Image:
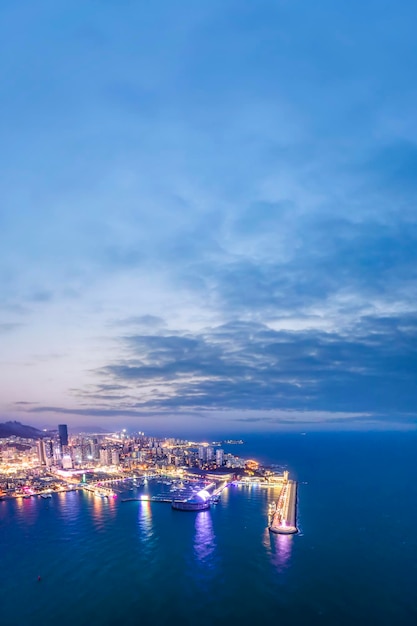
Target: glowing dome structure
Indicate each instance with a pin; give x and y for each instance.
(198, 502)
(203, 494)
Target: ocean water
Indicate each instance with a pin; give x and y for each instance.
(106, 562)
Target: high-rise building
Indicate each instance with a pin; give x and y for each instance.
(63, 435)
(48, 448)
(66, 462)
(41, 451)
(57, 455)
(205, 454)
(96, 450)
(219, 457)
(105, 456)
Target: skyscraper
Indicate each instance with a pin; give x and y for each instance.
(63, 435)
(41, 451)
(219, 457)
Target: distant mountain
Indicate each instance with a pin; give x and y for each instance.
(20, 430)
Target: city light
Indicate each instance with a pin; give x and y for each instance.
(101, 464)
(203, 494)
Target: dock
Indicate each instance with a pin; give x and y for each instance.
(284, 520)
(148, 499)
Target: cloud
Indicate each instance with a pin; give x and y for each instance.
(249, 366)
(222, 222)
(140, 321)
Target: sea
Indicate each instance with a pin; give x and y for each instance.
(111, 563)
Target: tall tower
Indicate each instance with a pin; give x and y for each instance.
(63, 435)
(40, 444)
(219, 457)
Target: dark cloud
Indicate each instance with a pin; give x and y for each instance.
(249, 366)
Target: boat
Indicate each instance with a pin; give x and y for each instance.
(46, 495)
(190, 505)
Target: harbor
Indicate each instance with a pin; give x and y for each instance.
(282, 512)
(193, 494)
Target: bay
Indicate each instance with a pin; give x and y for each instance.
(107, 562)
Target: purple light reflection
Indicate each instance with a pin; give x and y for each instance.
(279, 548)
(145, 519)
(204, 540)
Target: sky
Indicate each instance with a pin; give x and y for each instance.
(208, 214)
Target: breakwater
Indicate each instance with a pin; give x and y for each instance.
(284, 516)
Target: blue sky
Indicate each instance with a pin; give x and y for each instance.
(208, 214)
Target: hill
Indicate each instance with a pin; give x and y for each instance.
(8, 429)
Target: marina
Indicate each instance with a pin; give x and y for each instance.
(282, 513)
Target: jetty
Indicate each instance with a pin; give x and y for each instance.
(143, 498)
(283, 515)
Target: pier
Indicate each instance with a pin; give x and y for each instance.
(148, 499)
(99, 490)
(284, 520)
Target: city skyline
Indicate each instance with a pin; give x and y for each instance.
(208, 218)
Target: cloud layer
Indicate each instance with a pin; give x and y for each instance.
(209, 212)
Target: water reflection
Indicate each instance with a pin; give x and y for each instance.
(204, 539)
(225, 495)
(102, 505)
(279, 548)
(145, 519)
(97, 509)
(28, 508)
(69, 506)
(19, 503)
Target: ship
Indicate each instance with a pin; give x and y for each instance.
(198, 502)
(190, 505)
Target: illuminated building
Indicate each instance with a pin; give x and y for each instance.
(219, 457)
(115, 457)
(40, 444)
(199, 502)
(66, 462)
(205, 454)
(105, 456)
